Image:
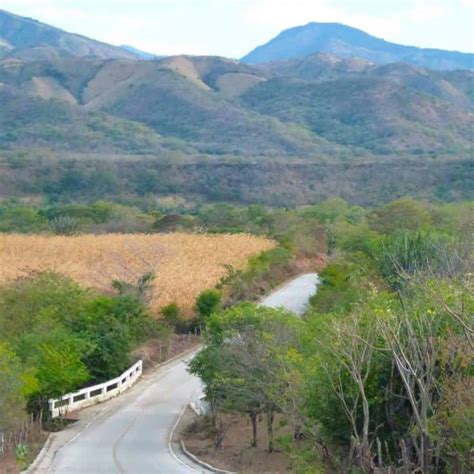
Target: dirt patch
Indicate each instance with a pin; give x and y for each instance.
(8, 462)
(157, 351)
(314, 263)
(235, 453)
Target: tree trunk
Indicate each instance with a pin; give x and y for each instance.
(253, 418)
(270, 416)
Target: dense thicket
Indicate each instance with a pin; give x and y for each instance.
(69, 178)
(55, 336)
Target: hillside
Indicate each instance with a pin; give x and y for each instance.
(321, 107)
(379, 115)
(28, 38)
(225, 124)
(181, 98)
(453, 86)
(345, 41)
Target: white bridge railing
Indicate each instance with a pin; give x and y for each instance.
(97, 393)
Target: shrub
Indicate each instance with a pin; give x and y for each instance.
(172, 315)
(64, 225)
(208, 302)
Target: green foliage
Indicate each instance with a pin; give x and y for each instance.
(399, 215)
(171, 313)
(246, 362)
(21, 454)
(402, 254)
(112, 327)
(25, 303)
(207, 303)
(20, 219)
(56, 356)
(15, 384)
(263, 272)
(62, 336)
(333, 210)
(173, 316)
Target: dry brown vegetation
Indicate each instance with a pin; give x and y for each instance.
(184, 264)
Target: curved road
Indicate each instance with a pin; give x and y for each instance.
(294, 295)
(130, 434)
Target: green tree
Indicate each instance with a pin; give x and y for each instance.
(111, 327)
(21, 219)
(16, 384)
(46, 295)
(55, 356)
(245, 361)
(402, 214)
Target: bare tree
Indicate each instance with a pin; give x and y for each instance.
(411, 340)
(130, 272)
(351, 350)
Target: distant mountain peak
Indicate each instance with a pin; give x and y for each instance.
(349, 42)
(29, 38)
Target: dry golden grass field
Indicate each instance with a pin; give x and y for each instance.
(184, 264)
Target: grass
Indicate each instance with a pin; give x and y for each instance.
(185, 264)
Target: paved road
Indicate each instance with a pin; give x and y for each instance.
(294, 295)
(130, 434)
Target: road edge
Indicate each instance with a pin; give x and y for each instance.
(192, 457)
(43, 453)
(40, 456)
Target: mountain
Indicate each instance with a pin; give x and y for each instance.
(321, 107)
(344, 41)
(455, 87)
(181, 98)
(139, 53)
(380, 116)
(32, 40)
(289, 131)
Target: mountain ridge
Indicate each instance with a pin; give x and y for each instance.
(23, 35)
(346, 41)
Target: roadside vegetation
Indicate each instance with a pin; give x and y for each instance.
(378, 374)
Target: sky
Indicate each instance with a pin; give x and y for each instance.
(234, 27)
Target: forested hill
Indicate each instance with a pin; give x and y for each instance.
(319, 108)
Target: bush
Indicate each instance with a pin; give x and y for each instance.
(208, 302)
(172, 315)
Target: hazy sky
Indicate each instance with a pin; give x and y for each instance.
(234, 27)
